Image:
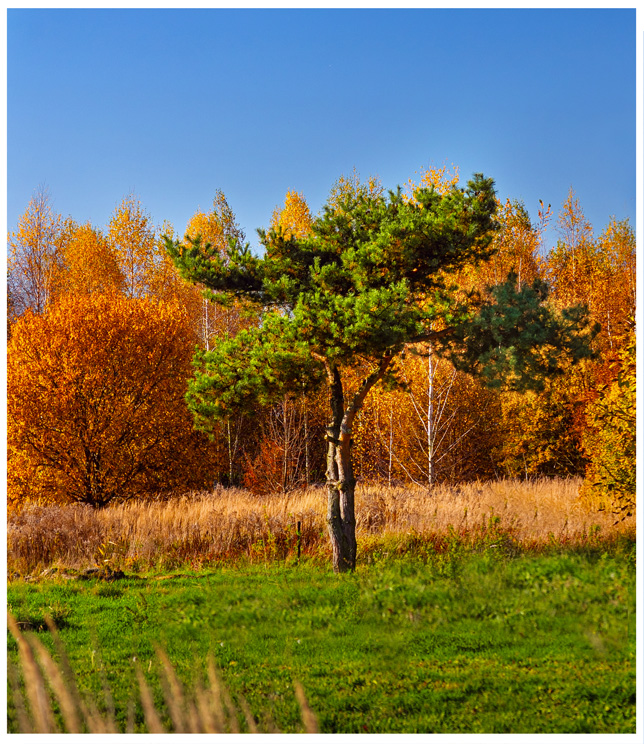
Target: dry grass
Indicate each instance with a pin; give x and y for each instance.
(230, 524)
(533, 510)
(208, 709)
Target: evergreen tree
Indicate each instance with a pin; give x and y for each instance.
(370, 278)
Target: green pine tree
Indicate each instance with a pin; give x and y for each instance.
(370, 279)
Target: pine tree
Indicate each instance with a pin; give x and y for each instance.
(369, 279)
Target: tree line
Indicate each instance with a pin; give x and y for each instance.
(457, 344)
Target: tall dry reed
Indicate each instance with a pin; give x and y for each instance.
(231, 523)
(47, 685)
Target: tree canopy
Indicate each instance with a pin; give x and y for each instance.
(370, 277)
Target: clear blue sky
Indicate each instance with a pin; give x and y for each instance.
(174, 104)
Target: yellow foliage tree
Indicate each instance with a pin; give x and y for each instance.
(542, 431)
(441, 426)
(518, 244)
(132, 237)
(294, 218)
(33, 256)
(95, 402)
(614, 301)
(571, 266)
(441, 179)
(217, 228)
(88, 263)
(546, 431)
(143, 262)
(165, 284)
(352, 184)
(610, 441)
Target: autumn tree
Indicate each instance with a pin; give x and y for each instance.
(33, 255)
(131, 235)
(615, 272)
(570, 263)
(545, 431)
(279, 466)
(598, 272)
(294, 218)
(440, 425)
(442, 179)
(611, 438)
(518, 245)
(216, 229)
(165, 284)
(95, 402)
(87, 264)
(369, 280)
(542, 430)
(143, 266)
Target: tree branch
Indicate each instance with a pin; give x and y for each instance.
(431, 335)
(361, 394)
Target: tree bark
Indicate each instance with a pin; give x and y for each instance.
(341, 483)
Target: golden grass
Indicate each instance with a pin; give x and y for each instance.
(209, 709)
(202, 528)
(533, 510)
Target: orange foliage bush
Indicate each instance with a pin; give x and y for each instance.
(95, 404)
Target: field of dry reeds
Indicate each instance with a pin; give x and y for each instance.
(201, 528)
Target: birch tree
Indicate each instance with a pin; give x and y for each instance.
(33, 255)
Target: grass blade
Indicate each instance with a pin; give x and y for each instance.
(34, 682)
(68, 706)
(173, 692)
(152, 720)
(308, 716)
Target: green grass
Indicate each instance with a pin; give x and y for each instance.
(461, 643)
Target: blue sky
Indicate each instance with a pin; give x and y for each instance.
(173, 105)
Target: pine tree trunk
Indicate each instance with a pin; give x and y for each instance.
(341, 519)
(341, 484)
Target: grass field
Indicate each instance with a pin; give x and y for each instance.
(472, 613)
(472, 643)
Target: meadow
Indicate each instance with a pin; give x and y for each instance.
(499, 607)
(200, 529)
